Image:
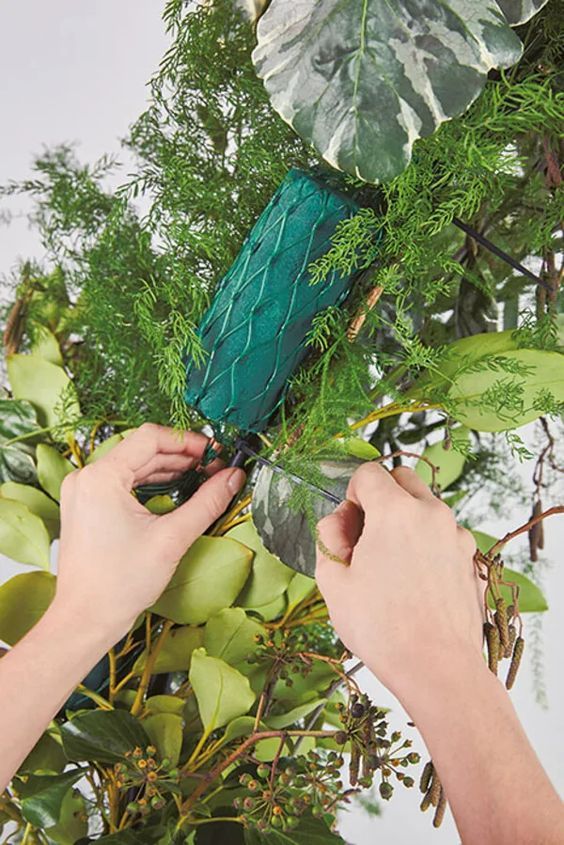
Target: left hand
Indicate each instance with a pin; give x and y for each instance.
(115, 557)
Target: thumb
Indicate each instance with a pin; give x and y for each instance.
(337, 535)
(190, 520)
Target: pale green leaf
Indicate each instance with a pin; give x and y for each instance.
(208, 578)
(23, 601)
(176, 651)
(269, 576)
(165, 704)
(299, 588)
(42, 384)
(361, 81)
(531, 598)
(221, 691)
(165, 732)
(107, 445)
(52, 469)
(37, 502)
(274, 610)
(73, 822)
(23, 535)
(230, 634)
(47, 346)
(160, 504)
(449, 463)
(359, 448)
(284, 720)
(545, 373)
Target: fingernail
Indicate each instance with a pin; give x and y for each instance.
(235, 479)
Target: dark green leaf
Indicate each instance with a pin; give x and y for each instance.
(102, 735)
(310, 831)
(47, 755)
(43, 796)
(220, 833)
(362, 81)
(73, 821)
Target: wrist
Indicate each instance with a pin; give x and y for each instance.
(91, 635)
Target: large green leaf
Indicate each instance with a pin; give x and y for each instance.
(46, 757)
(269, 576)
(208, 578)
(37, 502)
(176, 652)
(310, 831)
(165, 732)
(494, 399)
(42, 384)
(519, 11)
(17, 417)
(363, 79)
(73, 822)
(222, 692)
(230, 634)
(102, 735)
(52, 469)
(448, 462)
(43, 796)
(47, 346)
(23, 535)
(23, 601)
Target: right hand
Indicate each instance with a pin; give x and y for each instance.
(410, 595)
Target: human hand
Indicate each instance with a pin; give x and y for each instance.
(410, 596)
(115, 557)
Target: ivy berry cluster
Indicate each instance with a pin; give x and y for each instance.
(151, 777)
(278, 794)
(366, 729)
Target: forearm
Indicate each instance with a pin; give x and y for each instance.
(496, 787)
(37, 676)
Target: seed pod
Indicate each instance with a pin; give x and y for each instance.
(515, 661)
(426, 776)
(500, 619)
(440, 811)
(492, 642)
(426, 802)
(354, 764)
(435, 790)
(512, 635)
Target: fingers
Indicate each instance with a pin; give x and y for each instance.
(412, 483)
(370, 486)
(135, 457)
(185, 524)
(337, 535)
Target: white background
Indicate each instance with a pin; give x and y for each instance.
(76, 71)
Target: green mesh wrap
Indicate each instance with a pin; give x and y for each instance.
(254, 331)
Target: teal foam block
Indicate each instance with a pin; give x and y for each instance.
(255, 329)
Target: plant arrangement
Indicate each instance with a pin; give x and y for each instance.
(230, 712)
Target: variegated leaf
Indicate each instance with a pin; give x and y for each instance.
(363, 79)
(520, 11)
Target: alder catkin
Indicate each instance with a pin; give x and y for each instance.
(426, 802)
(515, 662)
(354, 764)
(512, 636)
(492, 642)
(500, 619)
(440, 811)
(426, 776)
(435, 790)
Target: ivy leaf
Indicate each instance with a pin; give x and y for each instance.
(73, 822)
(286, 533)
(230, 634)
(37, 502)
(269, 576)
(221, 691)
(46, 757)
(23, 535)
(513, 398)
(43, 796)
(165, 732)
(52, 469)
(449, 462)
(520, 11)
(23, 601)
(208, 578)
(102, 735)
(42, 384)
(310, 831)
(362, 81)
(176, 652)
(17, 417)
(283, 720)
